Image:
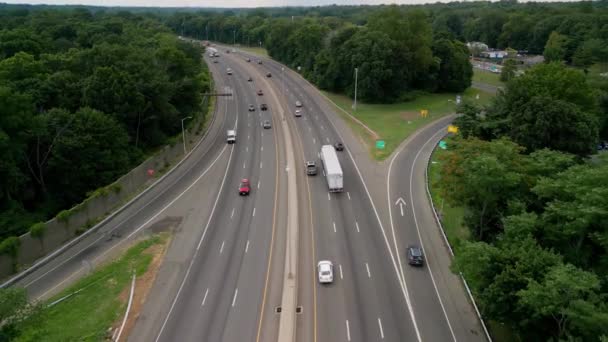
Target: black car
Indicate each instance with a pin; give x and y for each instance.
(339, 146)
(268, 74)
(250, 79)
(251, 108)
(311, 168)
(415, 256)
(263, 106)
(259, 61)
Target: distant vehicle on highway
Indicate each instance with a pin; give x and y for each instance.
(268, 74)
(251, 108)
(263, 106)
(231, 136)
(326, 272)
(298, 104)
(311, 168)
(260, 92)
(298, 113)
(227, 51)
(333, 170)
(267, 124)
(248, 60)
(215, 61)
(250, 79)
(415, 256)
(244, 187)
(229, 71)
(259, 61)
(339, 146)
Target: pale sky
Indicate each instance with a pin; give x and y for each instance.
(218, 3)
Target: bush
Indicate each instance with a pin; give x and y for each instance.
(38, 230)
(10, 246)
(63, 216)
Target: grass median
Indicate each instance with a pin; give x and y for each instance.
(393, 123)
(255, 50)
(98, 301)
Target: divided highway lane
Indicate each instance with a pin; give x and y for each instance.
(365, 303)
(412, 218)
(135, 218)
(221, 295)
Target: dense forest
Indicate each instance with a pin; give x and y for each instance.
(535, 193)
(83, 98)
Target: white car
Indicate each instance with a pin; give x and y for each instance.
(229, 71)
(298, 104)
(326, 272)
(298, 112)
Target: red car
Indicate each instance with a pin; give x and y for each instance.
(244, 187)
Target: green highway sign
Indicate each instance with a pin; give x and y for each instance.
(380, 144)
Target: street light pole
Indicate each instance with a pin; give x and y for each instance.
(234, 37)
(183, 133)
(356, 76)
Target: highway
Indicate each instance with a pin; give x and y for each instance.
(222, 276)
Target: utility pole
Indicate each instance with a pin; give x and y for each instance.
(234, 37)
(356, 76)
(207, 26)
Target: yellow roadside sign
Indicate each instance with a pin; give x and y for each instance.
(452, 129)
(424, 113)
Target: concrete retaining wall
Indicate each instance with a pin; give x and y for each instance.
(93, 209)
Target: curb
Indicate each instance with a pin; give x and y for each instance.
(445, 238)
(45, 260)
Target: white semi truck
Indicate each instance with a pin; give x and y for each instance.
(333, 170)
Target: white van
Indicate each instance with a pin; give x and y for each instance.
(231, 136)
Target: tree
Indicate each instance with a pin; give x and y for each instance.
(455, 70)
(555, 49)
(508, 70)
(569, 297)
(544, 122)
(14, 308)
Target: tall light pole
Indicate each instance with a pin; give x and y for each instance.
(356, 76)
(183, 133)
(283, 85)
(234, 37)
(207, 26)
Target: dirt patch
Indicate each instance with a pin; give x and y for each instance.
(143, 284)
(409, 116)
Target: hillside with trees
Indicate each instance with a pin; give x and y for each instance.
(83, 98)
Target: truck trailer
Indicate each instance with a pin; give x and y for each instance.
(333, 170)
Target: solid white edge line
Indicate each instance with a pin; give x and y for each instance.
(347, 331)
(236, 292)
(124, 321)
(205, 297)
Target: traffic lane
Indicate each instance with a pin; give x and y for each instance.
(268, 326)
(378, 323)
(271, 294)
(462, 317)
(426, 301)
(186, 232)
(322, 134)
(219, 234)
(52, 277)
(242, 322)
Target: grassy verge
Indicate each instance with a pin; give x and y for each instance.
(87, 315)
(451, 217)
(256, 50)
(457, 232)
(395, 122)
(483, 76)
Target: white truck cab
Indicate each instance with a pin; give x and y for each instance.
(231, 136)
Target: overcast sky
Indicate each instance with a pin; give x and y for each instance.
(217, 3)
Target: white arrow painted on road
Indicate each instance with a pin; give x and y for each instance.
(401, 204)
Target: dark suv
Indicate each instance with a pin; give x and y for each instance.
(415, 256)
(263, 106)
